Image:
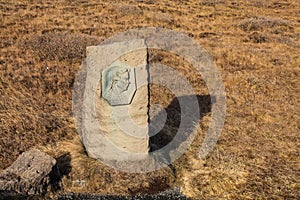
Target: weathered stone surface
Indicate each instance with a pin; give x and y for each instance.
(28, 174)
(115, 127)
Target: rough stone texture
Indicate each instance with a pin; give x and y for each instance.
(115, 132)
(28, 175)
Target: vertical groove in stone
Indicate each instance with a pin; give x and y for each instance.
(148, 79)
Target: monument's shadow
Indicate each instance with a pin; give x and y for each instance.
(173, 116)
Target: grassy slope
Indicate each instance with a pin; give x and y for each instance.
(255, 45)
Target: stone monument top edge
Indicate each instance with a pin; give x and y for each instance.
(131, 44)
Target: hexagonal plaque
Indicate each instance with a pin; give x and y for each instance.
(118, 85)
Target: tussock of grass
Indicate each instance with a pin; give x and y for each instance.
(211, 2)
(60, 46)
(262, 23)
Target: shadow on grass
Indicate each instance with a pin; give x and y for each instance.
(62, 168)
(173, 120)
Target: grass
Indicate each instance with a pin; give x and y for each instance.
(263, 23)
(60, 46)
(255, 45)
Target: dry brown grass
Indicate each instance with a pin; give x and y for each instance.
(255, 45)
(263, 23)
(88, 175)
(60, 46)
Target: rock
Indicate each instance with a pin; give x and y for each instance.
(28, 175)
(115, 103)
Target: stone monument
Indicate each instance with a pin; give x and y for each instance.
(115, 103)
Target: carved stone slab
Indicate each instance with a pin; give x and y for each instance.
(115, 104)
(118, 85)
